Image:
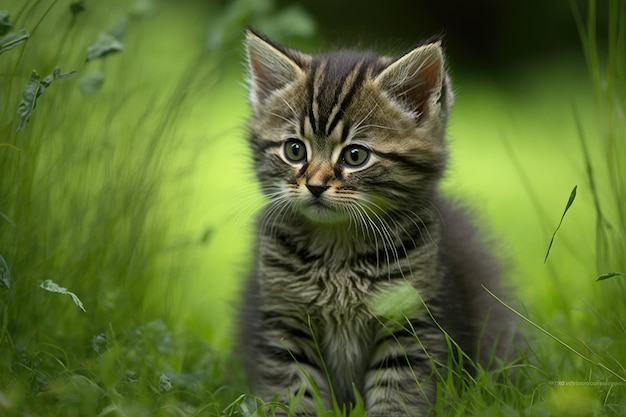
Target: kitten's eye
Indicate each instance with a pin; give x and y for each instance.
(355, 156)
(295, 151)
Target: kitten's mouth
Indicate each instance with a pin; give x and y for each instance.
(321, 211)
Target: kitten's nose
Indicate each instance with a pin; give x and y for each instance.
(317, 190)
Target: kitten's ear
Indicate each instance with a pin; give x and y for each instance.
(418, 80)
(271, 66)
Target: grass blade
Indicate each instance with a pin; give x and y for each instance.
(5, 276)
(570, 201)
(556, 338)
(610, 275)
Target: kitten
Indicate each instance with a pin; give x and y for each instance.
(349, 149)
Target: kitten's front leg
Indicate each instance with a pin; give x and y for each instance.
(401, 380)
(286, 365)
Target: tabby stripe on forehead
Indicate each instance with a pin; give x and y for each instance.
(347, 98)
(343, 87)
(315, 82)
(311, 91)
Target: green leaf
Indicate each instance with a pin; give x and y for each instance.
(570, 201)
(105, 45)
(608, 275)
(13, 39)
(291, 21)
(33, 90)
(5, 26)
(92, 82)
(99, 343)
(51, 286)
(29, 99)
(396, 302)
(5, 276)
(165, 384)
(143, 9)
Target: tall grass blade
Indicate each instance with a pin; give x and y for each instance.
(570, 201)
(610, 275)
(5, 275)
(556, 338)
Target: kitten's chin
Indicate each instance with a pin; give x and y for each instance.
(321, 213)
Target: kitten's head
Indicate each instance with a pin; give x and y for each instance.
(346, 136)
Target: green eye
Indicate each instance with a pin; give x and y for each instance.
(295, 151)
(355, 156)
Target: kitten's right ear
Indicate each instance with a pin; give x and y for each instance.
(272, 66)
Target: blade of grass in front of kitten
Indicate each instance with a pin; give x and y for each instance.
(570, 201)
(555, 338)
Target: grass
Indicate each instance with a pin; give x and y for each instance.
(137, 198)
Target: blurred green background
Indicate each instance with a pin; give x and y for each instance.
(131, 187)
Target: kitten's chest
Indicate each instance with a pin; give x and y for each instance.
(345, 324)
(334, 291)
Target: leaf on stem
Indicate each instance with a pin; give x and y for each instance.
(33, 90)
(51, 286)
(105, 45)
(570, 201)
(13, 39)
(29, 99)
(5, 26)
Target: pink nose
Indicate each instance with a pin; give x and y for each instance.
(317, 190)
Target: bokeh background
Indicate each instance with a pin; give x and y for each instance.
(131, 187)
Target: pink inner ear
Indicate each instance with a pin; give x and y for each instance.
(419, 88)
(264, 79)
(262, 84)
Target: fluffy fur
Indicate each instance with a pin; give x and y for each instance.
(349, 149)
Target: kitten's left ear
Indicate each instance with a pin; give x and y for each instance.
(272, 66)
(419, 81)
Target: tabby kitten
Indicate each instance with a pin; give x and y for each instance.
(349, 150)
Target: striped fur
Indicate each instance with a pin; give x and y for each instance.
(349, 149)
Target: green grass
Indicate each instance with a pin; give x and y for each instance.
(138, 198)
